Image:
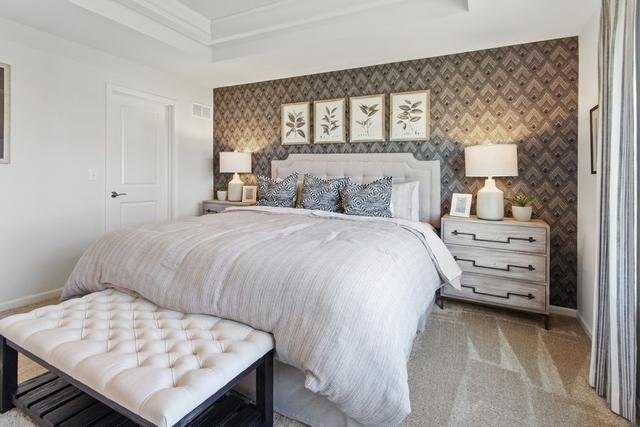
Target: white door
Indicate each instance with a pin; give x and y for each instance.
(138, 159)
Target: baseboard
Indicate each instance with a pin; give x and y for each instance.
(563, 311)
(31, 299)
(585, 326)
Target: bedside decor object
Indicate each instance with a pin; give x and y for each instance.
(593, 135)
(504, 264)
(366, 118)
(521, 212)
(221, 193)
(491, 160)
(235, 163)
(249, 193)
(295, 123)
(461, 204)
(5, 106)
(410, 115)
(329, 121)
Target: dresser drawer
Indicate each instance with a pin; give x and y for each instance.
(503, 292)
(213, 208)
(501, 263)
(495, 235)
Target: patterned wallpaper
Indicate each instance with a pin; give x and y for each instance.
(525, 94)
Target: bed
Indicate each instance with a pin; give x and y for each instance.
(343, 296)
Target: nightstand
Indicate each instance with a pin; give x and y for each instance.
(217, 206)
(504, 263)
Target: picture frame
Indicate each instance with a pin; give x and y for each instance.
(367, 118)
(410, 116)
(329, 117)
(249, 193)
(593, 135)
(295, 123)
(5, 112)
(461, 205)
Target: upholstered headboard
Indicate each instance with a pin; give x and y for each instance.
(364, 168)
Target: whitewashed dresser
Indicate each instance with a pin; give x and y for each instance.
(504, 263)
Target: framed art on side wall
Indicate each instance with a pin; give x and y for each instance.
(295, 123)
(5, 107)
(366, 122)
(329, 118)
(410, 116)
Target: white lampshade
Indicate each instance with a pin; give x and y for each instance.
(491, 160)
(234, 162)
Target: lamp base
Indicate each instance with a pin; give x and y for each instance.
(490, 201)
(235, 189)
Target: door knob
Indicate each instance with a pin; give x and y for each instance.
(114, 194)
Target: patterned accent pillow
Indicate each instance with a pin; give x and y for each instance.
(373, 199)
(322, 194)
(280, 194)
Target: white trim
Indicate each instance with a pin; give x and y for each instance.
(562, 311)
(584, 324)
(172, 161)
(31, 299)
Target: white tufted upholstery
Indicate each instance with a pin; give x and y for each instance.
(157, 363)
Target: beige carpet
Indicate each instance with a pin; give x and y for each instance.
(475, 366)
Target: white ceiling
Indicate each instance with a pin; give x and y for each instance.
(221, 42)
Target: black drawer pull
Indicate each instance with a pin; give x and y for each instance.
(508, 241)
(473, 288)
(210, 211)
(509, 266)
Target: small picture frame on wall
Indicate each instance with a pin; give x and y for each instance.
(5, 107)
(366, 121)
(329, 121)
(593, 120)
(249, 193)
(461, 205)
(295, 123)
(410, 116)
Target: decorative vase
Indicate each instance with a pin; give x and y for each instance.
(222, 195)
(521, 213)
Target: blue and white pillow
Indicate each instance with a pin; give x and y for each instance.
(373, 199)
(280, 194)
(322, 194)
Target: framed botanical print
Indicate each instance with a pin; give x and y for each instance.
(329, 121)
(5, 106)
(366, 121)
(295, 123)
(410, 116)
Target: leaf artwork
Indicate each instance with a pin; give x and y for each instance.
(295, 123)
(369, 111)
(329, 121)
(410, 113)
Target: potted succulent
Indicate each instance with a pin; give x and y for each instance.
(221, 192)
(520, 209)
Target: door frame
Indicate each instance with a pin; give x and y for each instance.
(172, 154)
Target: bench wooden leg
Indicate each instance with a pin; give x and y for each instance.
(8, 375)
(264, 389)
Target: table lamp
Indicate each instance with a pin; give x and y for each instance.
(235, 163)
(491, 160)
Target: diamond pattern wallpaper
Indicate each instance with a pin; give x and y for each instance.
(525, 94)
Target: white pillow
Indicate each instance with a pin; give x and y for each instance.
(405, 200)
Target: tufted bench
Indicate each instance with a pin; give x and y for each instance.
(150, 365)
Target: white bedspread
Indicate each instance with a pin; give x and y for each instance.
(342, 295)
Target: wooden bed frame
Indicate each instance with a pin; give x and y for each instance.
(56, 399)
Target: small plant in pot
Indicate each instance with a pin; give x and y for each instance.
(520, 207)
(221, 192)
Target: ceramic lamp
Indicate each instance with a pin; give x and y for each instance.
(235, 163)
(491, 160)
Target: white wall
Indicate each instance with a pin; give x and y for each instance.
(49, 210)
(587, 182)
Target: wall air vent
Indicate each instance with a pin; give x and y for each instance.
(201, 111)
